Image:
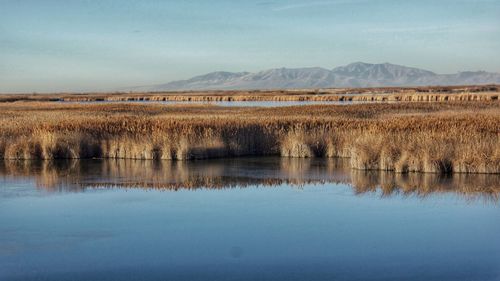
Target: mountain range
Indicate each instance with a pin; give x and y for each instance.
(357, 74)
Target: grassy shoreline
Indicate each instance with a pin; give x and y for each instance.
(440, 137)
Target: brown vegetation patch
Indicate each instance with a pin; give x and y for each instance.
(461, 137)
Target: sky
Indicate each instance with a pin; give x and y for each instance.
(90, 45)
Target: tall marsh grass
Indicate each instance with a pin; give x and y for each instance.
(459, 137)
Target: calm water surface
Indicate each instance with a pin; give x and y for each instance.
(244, 219)
(243, 103)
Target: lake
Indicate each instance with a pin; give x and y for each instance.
(265, 218)
(240, 103)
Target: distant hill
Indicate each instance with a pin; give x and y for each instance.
(357, 74)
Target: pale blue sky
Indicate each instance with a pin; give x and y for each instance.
(83, 45)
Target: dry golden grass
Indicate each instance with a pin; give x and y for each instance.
(460, 137)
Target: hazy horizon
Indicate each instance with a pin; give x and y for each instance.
(53, 46)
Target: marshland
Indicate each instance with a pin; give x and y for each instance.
(324, 140)
(142, 190)
(436, 137)
(169, 173)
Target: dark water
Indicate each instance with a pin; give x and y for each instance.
(242, 103)
(244, 219)
(263, 103)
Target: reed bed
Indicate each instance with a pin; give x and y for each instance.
(317, 97)
(440, 137)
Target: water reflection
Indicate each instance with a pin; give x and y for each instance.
(79, 175)
(111, 220)
(239, 103)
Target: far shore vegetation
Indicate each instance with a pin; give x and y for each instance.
(394, 94)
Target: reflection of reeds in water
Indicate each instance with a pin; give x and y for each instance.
(78, 175)
(425, 184)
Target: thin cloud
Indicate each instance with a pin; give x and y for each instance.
(433, 29)
(311, 4)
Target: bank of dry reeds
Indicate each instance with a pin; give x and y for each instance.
(460, 137)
